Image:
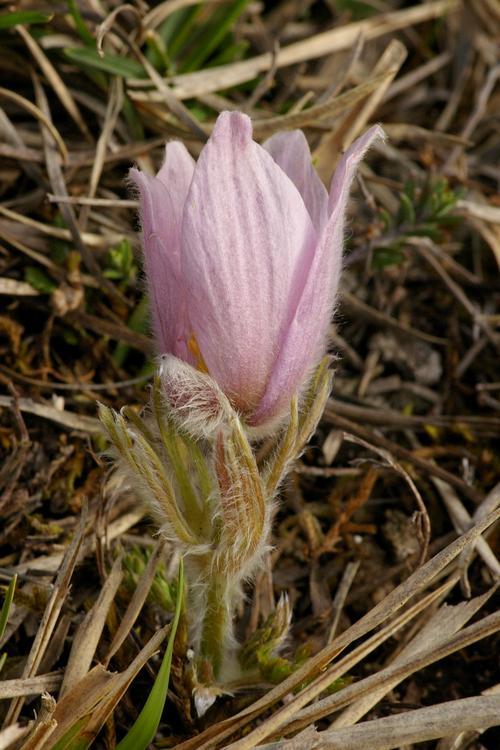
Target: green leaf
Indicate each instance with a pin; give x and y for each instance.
(25, 17)
(114, 64)
(232, 52)
(4, 613)
(133, 120)
(427, 230)
(71, 738)
(7, 603)
(39, 280)
(162, 593)
(70, 337)
(177, 28)
(80, 24)
(387, 256)
(357, 9)
(157, 53)
(146, 725)
(386, 219)
(406, 209)
(120, 262)
(211, 35)
(137, 322)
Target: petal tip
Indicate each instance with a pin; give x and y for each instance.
(235, 126)
(377, 132)
(139, 182)
(134, 177)
(175, 149)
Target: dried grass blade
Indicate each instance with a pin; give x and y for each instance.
(136, 603)
(427, 251)
(90, 629)
(51, 563)
(12, 735)
(223, 77)
(169, 97)
(403, 729)
(461, 521)
(10, 135)
(358, 307)
(344, 134)
(18, 688)
(349, 661)
(92, 700)
(445, 622)
(157, 15)
(38, 115)
(15, 288)
(146, 725)
(43, 725)
(316, 665)
(490, 503)
(388, 65)
(55, 80)
(395, 673)
(94, 240)
(69, 419)
(334, 411)
(115, 103)
(58, 186)
(310, 116)
(52, 610)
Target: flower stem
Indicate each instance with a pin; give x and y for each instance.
(217, 624)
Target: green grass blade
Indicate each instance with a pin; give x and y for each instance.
(80, 24)
(7, 602)
(146, 725)
(4, 614)
(212, 35)
(175, 31)
(114, 64)
(230, 52)
(72, 739)
(25, 17)
(137, 322)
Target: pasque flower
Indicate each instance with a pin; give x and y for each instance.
(243, 253)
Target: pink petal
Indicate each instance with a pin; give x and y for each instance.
(247, 243)
(305, 342)
(346, 168)
(161, 207)
(177, 171)
(291, 152)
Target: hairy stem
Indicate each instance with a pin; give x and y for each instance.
(217, 623)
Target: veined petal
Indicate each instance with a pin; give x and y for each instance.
(247, 244)
(161, 206)
(306, 337)
(290, 150)
(177, 171)
(346, 169)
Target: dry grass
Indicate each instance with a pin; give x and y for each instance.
(385, 540)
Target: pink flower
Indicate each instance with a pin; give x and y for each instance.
(243, 252)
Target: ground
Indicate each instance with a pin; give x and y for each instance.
(405, 459)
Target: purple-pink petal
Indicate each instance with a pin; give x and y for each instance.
(162, 201)
(247, 245)
(243, 254)
(177, 172)
(306, 337)
(290, 150)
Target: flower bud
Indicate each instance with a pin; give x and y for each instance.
(243, 252)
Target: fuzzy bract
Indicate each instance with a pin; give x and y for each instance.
(243, 253)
